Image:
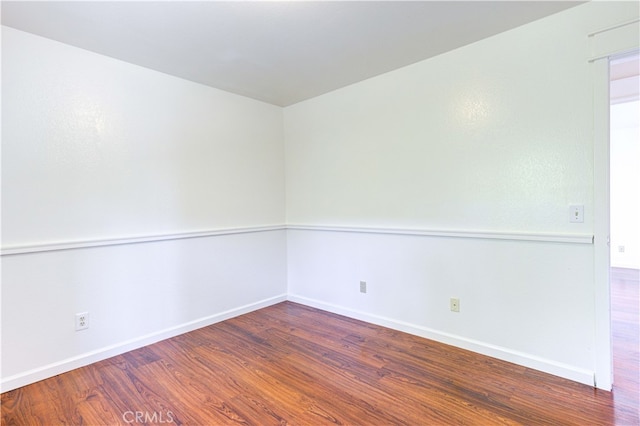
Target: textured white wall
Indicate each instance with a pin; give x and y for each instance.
(490, 136)
(625, 185)
(523, 301)
(97, 148)
(497, 137)
(94, 148)
(135, 294)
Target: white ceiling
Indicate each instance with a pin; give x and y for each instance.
(277, 52)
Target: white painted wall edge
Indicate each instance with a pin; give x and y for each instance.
(47, 371)
(70, 245)
(487, 235)
(520, 358)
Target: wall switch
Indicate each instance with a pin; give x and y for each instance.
(454, 304)
(82, 321)
(576, 214)
(363, 286)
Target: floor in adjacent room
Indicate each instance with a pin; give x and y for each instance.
(291, 364)
(625, 319)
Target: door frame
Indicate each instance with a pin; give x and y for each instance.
(601, 225)
(602, 217)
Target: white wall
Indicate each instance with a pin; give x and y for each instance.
(94, 151)
(491, 142)
(136, 294)
(98, 148)
(523, 301)
(479, 152)
(625, 185)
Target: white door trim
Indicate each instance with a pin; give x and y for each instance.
(601, 109)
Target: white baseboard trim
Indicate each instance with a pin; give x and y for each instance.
(505, 354)
(41, 373)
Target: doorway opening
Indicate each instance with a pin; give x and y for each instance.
(624, 191)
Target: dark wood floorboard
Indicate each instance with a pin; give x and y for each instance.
(625, 326)
(291, 364)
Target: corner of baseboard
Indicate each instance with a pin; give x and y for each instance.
(63, 366)
(505, 354)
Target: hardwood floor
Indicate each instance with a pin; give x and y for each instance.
(625, 319)
(291, 364)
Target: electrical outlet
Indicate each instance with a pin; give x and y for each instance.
(454, 304)
(620, 249)
(82, 321)
(363, 286)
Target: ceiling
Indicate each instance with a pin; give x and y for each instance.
(280, 52)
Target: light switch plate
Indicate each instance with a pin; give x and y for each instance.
(576, 213)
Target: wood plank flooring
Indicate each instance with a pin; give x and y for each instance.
(291, 364)
(625, 327)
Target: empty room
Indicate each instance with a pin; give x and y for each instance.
(316, 212)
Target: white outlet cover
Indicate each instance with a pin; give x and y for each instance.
(82, 321)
